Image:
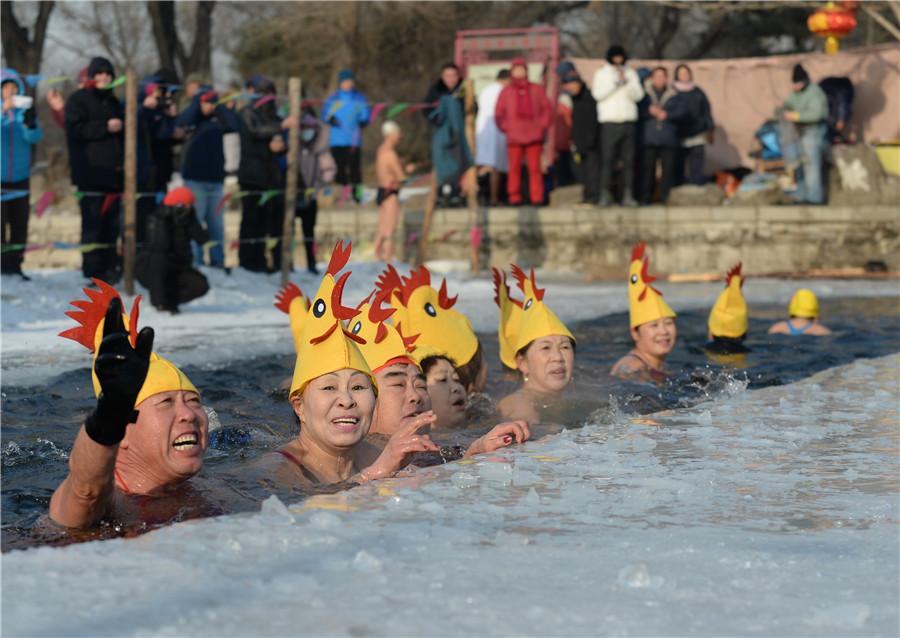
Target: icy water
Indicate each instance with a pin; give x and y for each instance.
(759, 513)
(254, 416)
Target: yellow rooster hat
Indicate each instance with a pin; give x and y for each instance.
(424, 311)
(645, 303)
(521, 322)
(291, 301)
(162, 374)
(325, 344)
(384, 344)
(728, 317)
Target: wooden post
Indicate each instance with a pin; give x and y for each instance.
(129, 198)
(430, 201)
(470, 180)
(290, 192)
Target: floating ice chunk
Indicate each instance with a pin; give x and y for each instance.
(638, 575)
(704, 417)
(462, 480)
(365, 562)
(272, 509)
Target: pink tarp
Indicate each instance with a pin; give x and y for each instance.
(744, 92)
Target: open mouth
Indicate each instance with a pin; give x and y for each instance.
(186, 442)
(346, 423)
(558, 372)
(459, 404)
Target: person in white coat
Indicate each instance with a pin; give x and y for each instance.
(617, 89)
(490, 141)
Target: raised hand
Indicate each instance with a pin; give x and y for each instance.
(121, 371)
(404, 442)
(501, 436)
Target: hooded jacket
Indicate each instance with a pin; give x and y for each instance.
(347, 112)
(95, 154)
(259, 124)
(17, 138)
(585, 127)
(616, 100)
(523, 112)
(662, 132)
(203, 156)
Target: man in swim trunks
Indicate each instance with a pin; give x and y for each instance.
(390, 174)
(804, 317)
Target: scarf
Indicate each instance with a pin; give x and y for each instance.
(524, 107)
(683, 87)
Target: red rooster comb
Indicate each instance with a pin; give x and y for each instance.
(734, 272)
(377, 312)
(408, 342)
(444, 301)
(91, 313)
(389, 282)
(286, 295)
(637, 252)
(339, 257)
(416, 279)
(519, 275)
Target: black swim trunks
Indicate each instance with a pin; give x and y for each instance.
(385, 194)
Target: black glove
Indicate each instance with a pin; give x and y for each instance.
(121, 371)
(333, 121)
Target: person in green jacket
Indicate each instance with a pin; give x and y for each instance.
(807, 108)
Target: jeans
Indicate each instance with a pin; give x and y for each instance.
(207, 196)
(809, 177)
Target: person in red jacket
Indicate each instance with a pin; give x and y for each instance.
(524, 113)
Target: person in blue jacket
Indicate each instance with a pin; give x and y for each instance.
(19, 132)
(203, 165)
(348, 112)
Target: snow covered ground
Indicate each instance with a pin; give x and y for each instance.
(764, 513)
(236, 319)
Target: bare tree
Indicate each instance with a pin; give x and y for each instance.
(173, 53)
(21, 52)
(119, 28)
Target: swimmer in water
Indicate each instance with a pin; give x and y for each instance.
(804, 317)
(652, 324)
(390, 176)
(333, 394)
(533, 341)
(147, 434)
(728, 318)
(403, 395)
(422, 310)
(447, 393)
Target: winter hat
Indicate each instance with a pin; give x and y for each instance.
(518, 62)
(728, 317)
(615, 50)
(181, 196)
(571, 76)
(167, 77)
(345, 74)
(564, 68)
(208, 94)
(100, 65)
(162, 375)
(645, 303)
(11, 75)
(522, 322)
(799, 74)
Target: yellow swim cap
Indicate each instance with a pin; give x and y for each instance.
(804, 304)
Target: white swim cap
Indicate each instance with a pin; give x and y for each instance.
(389, 128)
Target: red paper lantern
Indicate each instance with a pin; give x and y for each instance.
(833, 22)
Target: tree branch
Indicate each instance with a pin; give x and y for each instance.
(881, 20)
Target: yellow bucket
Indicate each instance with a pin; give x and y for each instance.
(889, 156)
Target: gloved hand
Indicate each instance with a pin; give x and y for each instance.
(121, 371)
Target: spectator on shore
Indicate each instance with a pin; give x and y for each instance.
(563, 170)
(20, 132)
(617, 89)
(585, 135)
(450, 152)
(662, 111)
(347, 111)
(807, 108)
(524, 113)
(695, 129)
(259, 173)
(160, 110)
(390, 175)
(203, 166)
(94, 123)
(490, 142)
(165, 263)
(57, 102)
(839, 93)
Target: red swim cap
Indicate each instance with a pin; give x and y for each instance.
(181, 196)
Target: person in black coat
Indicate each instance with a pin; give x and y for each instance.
(695, 128)
(585, 131)
(94, 134)
(661, 110)
(165, 263)
(261, 144)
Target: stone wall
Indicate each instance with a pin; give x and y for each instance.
(597, 243)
